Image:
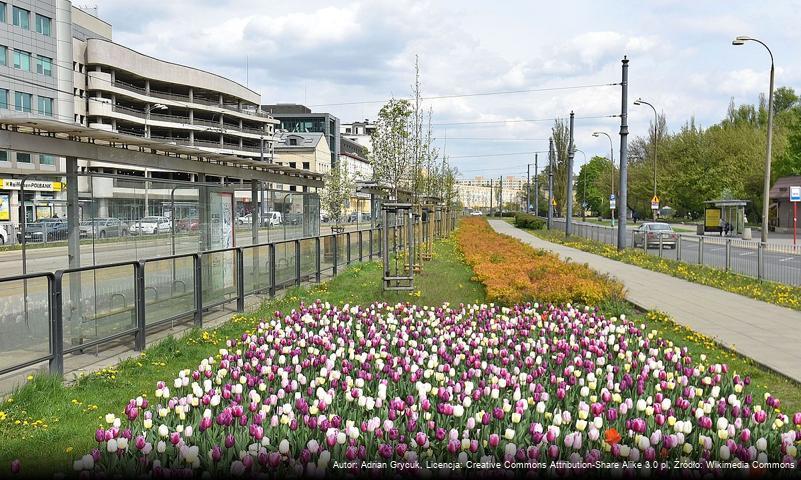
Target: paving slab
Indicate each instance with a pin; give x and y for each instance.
(767, 333)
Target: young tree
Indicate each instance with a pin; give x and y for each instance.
(337, 191)
(392, 154)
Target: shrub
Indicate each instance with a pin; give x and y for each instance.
(514, 272)
(505, 214)
(527, 220)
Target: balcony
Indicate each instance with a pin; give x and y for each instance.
(169, 96)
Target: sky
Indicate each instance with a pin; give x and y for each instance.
(347, 57)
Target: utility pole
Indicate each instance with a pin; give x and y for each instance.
(492, 194)
(624, 150)
(569, 199)
(550, 182)
(500, 194)
(536, 186)
(528, 187)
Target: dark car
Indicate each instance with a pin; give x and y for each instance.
(46, 230)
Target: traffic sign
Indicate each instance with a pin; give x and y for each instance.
(553, 202)
(611, 197)
(655, 203)
(612, 204)
(795, 194)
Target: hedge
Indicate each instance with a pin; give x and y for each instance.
(527, 220)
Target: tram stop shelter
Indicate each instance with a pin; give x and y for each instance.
(721, 213)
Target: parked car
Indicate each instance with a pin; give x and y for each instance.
(476, 213)
(358, 217)
(103, 227)
(324, 217)
(650, 232)
(246, 219)
(187, 224)
(46, 230)
(151, 225)
(271, 218)
(3, 235)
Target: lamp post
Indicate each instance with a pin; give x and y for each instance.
(766, 186)
(536, 186)
(584, 188)
(149, 108)
(611, 159)
(640, 101)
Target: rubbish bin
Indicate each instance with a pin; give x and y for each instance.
(747, 233)
(699, 229)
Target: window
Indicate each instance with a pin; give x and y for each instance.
(22, 17)
(43, 25)
(22, 60)
(3, 12)
(22, 101)
(47, 159)
(44, 65)
(305, 165)
(3, 98)
(46, 106)
(3, 156)
(23, 157)
(3, 55)
(293, 141)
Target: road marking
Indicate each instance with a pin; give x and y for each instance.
(788, 259)
(746, 253)
(717, 249)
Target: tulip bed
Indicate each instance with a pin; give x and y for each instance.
(327, 387)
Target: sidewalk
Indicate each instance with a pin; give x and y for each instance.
(767, 333)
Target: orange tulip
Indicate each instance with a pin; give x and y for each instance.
(612, 437)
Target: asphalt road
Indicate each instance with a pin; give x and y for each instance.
(782, 263)
(50, 259)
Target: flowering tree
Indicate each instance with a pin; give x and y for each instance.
(391, 157)
(337, 190)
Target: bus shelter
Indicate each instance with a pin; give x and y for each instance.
(725, 217)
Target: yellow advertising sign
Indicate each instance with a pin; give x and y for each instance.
(30, 185)
(5, 207)
(712, 218)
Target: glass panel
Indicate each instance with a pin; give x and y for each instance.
(376, 241)
(219, 277)
(3, 12)
(354, 247)
(169, 288)
(97, 303)
(3, 98)
(327, 252)
(47, 159)
(308, 258)
(342, 249)
(43, 25)
(24, 326)
(284, 263)
(3, 55)
(256, 261)
(44, 66)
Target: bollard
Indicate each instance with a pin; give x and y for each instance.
(761, 261)
(240, 279)
(198, 268)
(701, 251)
(661, 244)
(56, 364)
(139, 299)
(728, 254)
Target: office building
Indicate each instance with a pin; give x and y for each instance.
(296, 118)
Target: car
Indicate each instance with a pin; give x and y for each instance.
(271, 218)
(150, 225)
(650, 232)
(476, 213)
(46, 230)
(103, 227)
(245, 219)
(187, 224)
(324, 217)
(293, 218)
(358, 217)
(3, 235)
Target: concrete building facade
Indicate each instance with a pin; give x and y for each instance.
(296, 118)
(59, 61)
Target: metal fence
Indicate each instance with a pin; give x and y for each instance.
(46, 316)
(772, 261)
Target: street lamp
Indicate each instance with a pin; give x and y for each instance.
(611, 159)
(766, 187)
(640, 101)
(584, 190)
(149, 108)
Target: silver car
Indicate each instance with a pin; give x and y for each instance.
(649, 234)
(103, 228)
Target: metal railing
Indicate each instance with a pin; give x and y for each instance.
(774, 262)
(47, 316)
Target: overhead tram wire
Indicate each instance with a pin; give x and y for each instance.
(476, 94)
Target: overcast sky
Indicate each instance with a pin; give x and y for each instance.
(336, 52)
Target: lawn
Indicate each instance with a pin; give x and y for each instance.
(45, 424)
(776, 293)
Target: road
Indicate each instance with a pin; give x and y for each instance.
(782, 262)
(50, 259)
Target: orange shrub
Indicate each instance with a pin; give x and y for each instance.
(514, 272)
